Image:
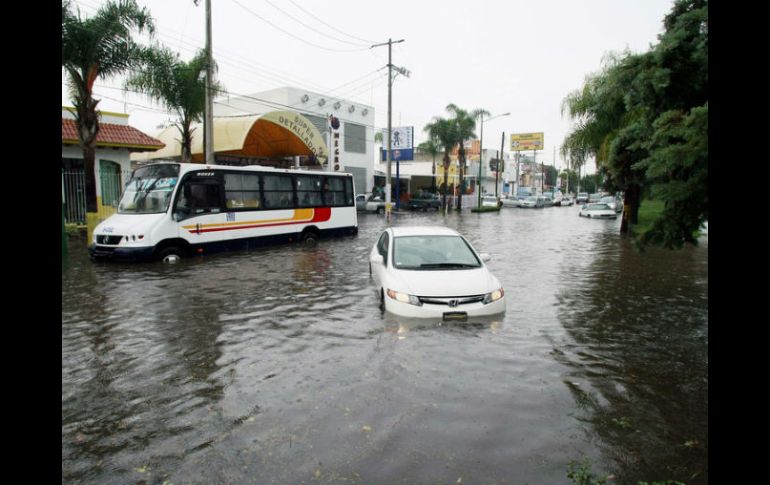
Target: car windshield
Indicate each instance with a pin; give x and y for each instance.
(433, 253)
(598, 207)
(149, 190)
(608, 200)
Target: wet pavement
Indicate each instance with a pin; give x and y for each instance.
(277, 366)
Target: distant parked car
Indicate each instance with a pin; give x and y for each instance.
(510, 201)
(612, 202)
(581, 198)
(595, 197)
(598, 211)
(566, 201)
(557, 198)
(424, 201)
(532, 201)
(547, 200)
(375, 203)
(361, 202)
(490, 201)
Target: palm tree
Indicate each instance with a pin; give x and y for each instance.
(443, 132)
(431, 147)
(178, 86)
(465, 124)
(93, 48)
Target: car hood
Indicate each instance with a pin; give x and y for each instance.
(445, 283)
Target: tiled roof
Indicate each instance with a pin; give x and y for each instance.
(112, 135)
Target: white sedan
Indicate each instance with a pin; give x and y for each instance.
(433, 272)
(598, 211)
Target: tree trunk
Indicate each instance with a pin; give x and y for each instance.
(446, 180)
(433, 172)
(631, 201)
(185, 141)
(88, 127)
(462, 177)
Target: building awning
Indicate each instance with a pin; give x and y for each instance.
(113, 136)
(271, 135)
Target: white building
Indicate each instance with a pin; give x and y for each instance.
(356, 143)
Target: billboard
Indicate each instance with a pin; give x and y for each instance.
(526, 141)
(472, 147)
(401, 141)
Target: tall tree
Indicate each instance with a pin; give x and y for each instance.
(178, 86)
(465, 124)
(645, 119)
(443, 132)
(431, 147)
(98, 48)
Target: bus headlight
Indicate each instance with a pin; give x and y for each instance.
(404, 298)
(493, 296)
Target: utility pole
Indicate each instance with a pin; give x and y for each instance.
(567, 160)
(208, 124)
(481, 158)
(517, 156)
(481, 151)
(500, 162)
(390, 43)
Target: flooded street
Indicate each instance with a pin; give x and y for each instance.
(277, 366)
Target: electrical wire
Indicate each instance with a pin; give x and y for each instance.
(358, 44)
(292, 35)
(370, 42)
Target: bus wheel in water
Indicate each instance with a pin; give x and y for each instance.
(170, 254)
(309, 238)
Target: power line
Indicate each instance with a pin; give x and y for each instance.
(358, 44)
(292, 35)
(330, 26)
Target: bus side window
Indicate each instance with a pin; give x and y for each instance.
(198, 198)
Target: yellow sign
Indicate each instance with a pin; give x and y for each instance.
(453, 173)
(526, 141)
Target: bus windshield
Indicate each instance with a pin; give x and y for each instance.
(149, 190)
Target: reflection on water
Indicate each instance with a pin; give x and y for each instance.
(276, 365)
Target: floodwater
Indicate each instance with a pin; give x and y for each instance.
(277, 366)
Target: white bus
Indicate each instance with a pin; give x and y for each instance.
(170, 210)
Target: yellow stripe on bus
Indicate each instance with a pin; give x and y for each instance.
(299, 215)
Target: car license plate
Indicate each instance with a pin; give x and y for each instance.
(455, 316)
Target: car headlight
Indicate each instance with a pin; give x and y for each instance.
(404, 298)
(493, 296)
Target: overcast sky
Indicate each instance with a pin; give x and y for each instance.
(500, 55)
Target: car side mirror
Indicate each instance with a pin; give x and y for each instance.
(485, 257)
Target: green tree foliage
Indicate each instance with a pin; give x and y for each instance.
(644, 118)
(98, 47)
(432, 147)
(179, 86)
(442, 131)
(465, 126)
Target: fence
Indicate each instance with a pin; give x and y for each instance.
(74, 192)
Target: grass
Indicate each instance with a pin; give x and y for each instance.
(74, 230)
(649, 210)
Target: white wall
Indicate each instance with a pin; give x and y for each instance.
(317, 104)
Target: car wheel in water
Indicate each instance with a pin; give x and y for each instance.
(380, 210)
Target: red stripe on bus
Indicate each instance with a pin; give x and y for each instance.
(322, 214)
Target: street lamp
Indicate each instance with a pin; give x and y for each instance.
(481, 151)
